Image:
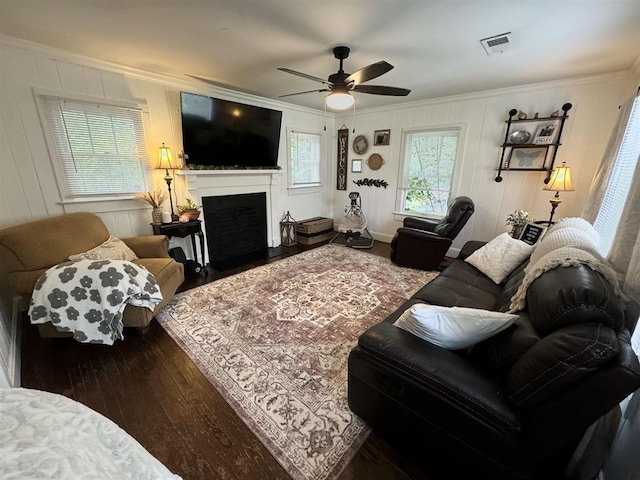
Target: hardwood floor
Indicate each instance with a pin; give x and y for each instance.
(151, 389)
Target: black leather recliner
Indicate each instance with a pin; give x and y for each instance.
(423, 243)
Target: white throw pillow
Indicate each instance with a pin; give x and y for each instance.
(453, 328)
(498, 258)
(111, 249)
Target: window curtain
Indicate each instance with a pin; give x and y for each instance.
(597, 443)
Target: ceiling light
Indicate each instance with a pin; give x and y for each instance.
(340, 100)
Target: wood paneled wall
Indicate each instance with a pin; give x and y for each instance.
(28, 190)
(595, 108)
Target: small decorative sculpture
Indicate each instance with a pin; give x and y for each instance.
(536, 115)
(555, 114)
(522, 115)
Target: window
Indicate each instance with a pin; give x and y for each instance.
(304, 159)
(100, 149)
(427, 171)
(619, 182)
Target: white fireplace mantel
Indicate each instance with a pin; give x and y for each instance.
(206, 183)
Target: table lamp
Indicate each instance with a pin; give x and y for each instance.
(165, 160)
(560, 181)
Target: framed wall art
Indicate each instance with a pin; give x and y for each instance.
(356, 165)
(532, 233)
(381, 137)
(545, 135)
(341, 173)
(527, 158)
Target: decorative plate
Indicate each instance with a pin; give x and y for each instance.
(521, 136)
(375, 161)
(360, 144)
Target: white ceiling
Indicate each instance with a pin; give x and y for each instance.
(434, 45)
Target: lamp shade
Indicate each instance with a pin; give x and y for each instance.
(560, 180)
(340, 100)
(165, 160)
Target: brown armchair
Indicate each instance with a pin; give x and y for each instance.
(28, 250)
(422, 243)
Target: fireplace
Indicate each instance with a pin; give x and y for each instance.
(236, 228)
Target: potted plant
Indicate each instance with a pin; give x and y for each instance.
(155, 199)
(190, 209)
(517, 220)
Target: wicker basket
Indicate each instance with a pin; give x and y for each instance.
(314, 230)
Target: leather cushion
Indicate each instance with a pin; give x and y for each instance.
(571, 295)
(460, 285)
(510, 287)
(559, 360)
(499, 352)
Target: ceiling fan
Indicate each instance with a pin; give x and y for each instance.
(341, 84)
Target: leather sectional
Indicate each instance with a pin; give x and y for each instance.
(515, 405)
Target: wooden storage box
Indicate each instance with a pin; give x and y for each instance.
(314, 230)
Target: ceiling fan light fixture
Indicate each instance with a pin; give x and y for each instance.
(339, 100)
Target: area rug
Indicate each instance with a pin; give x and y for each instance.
(274, 342)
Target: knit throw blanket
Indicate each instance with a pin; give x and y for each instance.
(88, 297)
(566, 247)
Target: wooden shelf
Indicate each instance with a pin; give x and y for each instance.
(539, 119)
(551, 148)
(524, 169)
(530, 145)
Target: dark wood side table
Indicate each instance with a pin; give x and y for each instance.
(182, 230)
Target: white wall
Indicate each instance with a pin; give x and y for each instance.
(595, 108)
(28, 190)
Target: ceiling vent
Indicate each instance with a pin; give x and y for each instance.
(497, 43)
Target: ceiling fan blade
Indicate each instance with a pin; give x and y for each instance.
(304, 75)
(381, 90)
(368, 73)
(308, 91)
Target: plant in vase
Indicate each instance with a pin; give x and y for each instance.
(190, 209)
(517, 220)
(155, 199)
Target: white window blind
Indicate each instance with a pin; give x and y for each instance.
(619, 183)
(100, 148)
(304, 156)
(427, 172)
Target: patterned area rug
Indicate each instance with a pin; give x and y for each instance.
(274, 341)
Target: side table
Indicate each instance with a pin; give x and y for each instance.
(182, 230)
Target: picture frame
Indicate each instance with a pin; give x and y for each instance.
(356, 165)
(533, 158)
(545, 134)
(381, 137)
(532, 233)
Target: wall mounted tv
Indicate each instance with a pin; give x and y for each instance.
(222, 134)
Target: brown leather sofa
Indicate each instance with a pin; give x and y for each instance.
(28, 250)
(516, 405)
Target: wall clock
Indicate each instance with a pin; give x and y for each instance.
(360, 144)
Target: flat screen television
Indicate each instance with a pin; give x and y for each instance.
(222, 134)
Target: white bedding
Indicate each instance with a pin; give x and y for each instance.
(48, 436)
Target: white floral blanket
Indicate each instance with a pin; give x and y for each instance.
(88, 297)
(47, 436)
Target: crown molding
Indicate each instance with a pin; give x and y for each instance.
(178, 82)
(483, 94)
(235, 95)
